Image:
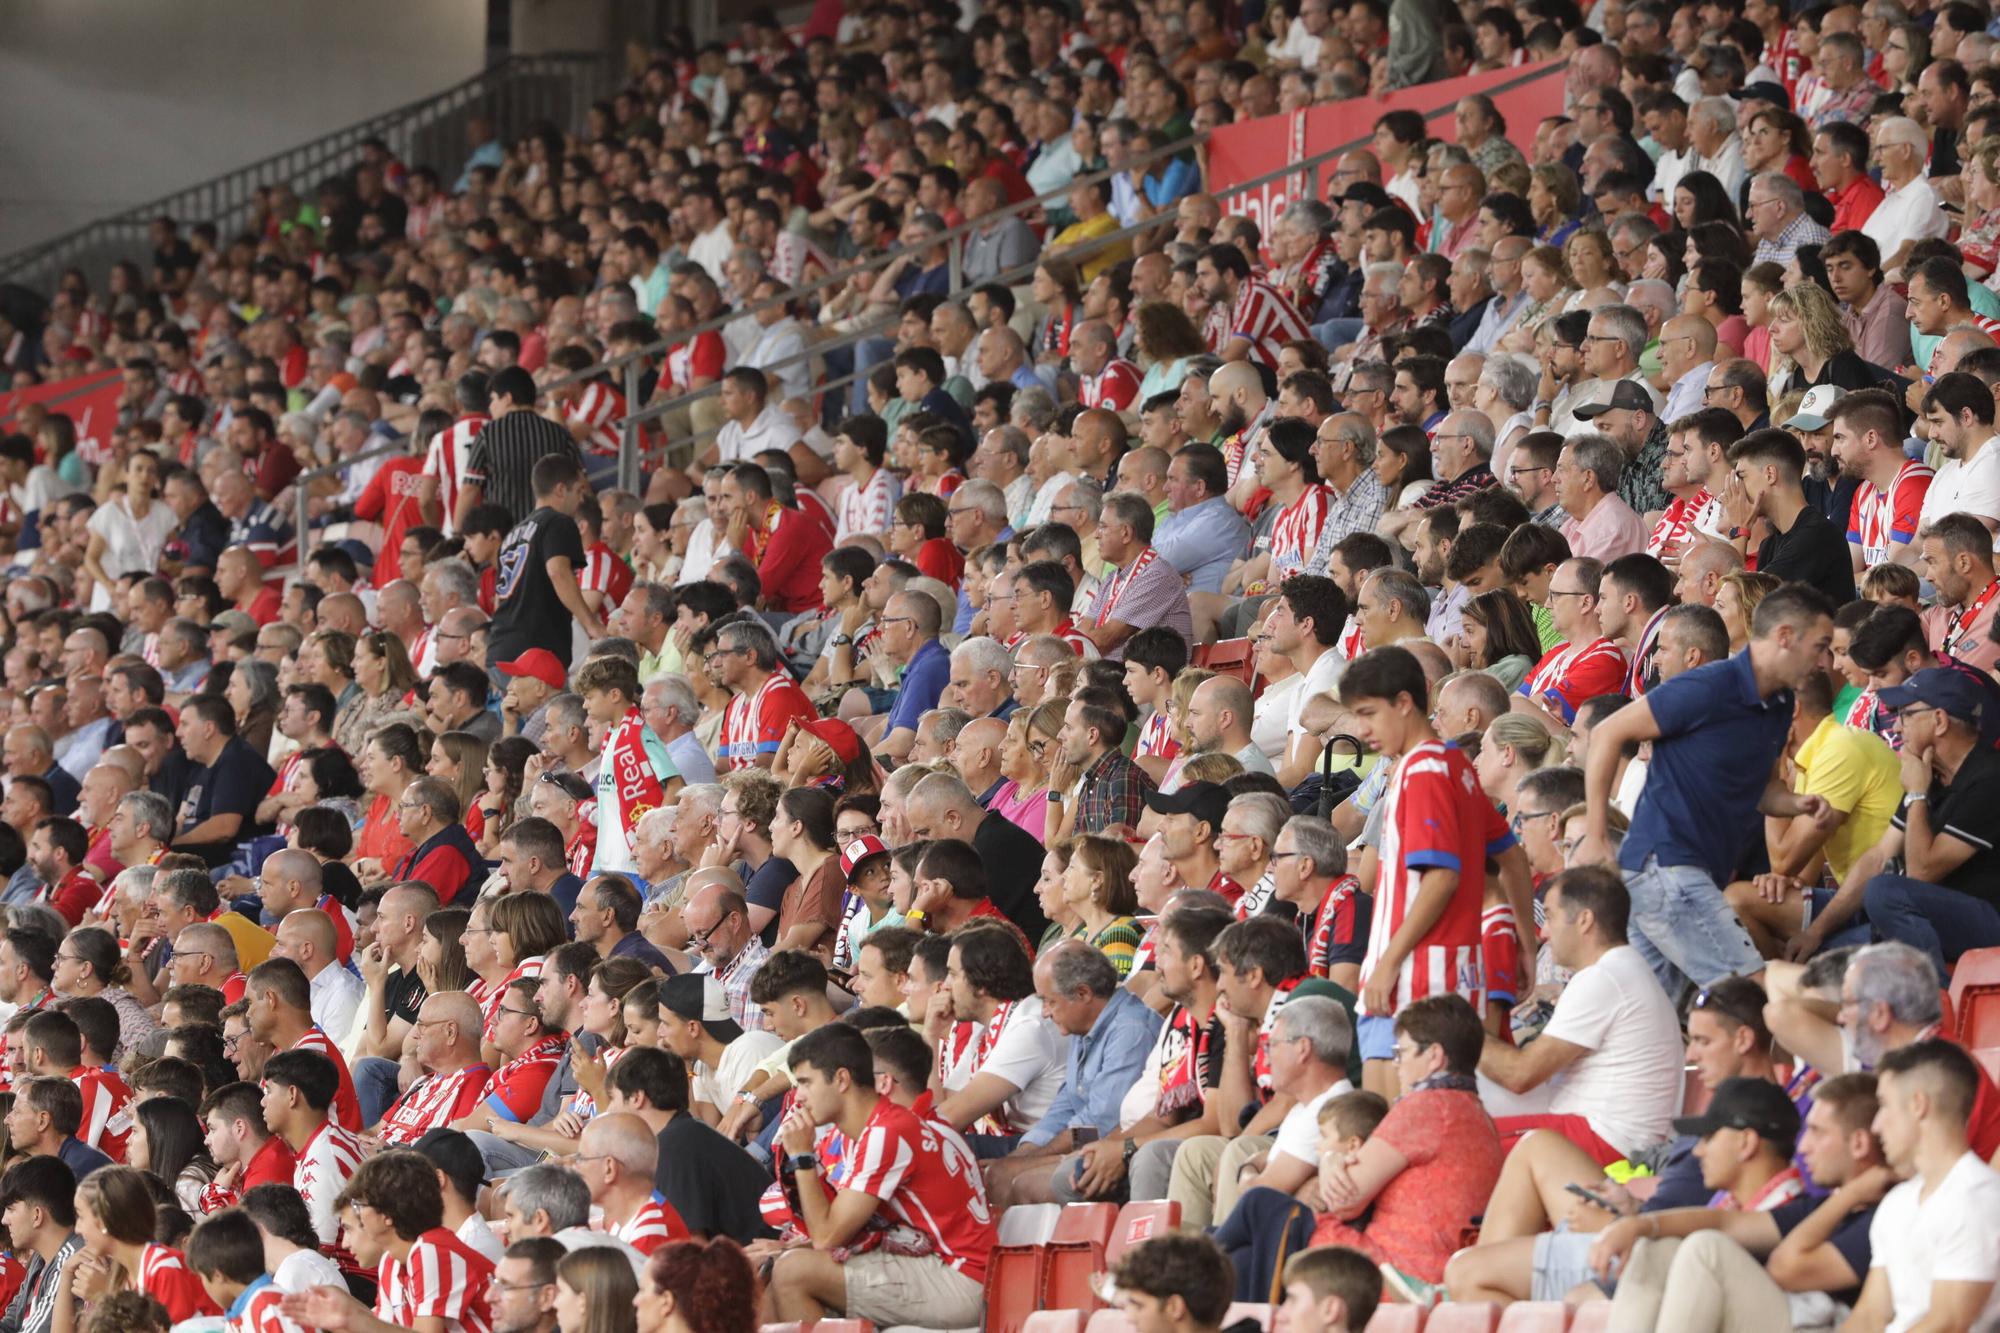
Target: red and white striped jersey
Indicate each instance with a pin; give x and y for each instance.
(689, 361)
(518, 1085)
(1156, 737)
(1115, 387)
(260, 1310)
(325, 1165)
(433, 1102)
(754, 723)
(652, 1226)
(1880, 519)
(1339, 928)
(601, 408)
(1437, 817)
(440, 1278)
(526, 969)
(446, 460)
(603, 572)
(186, 381)
(928, 1179)
(1670, 536)
(1569, 673)
(1295, 532)
(165, 1276)
(868, 508)
(1264, 317)
(1071, 635)
(106, 1123)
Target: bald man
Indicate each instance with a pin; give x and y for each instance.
(27, 752)
(1144, 470)
(1236, 391)
(976, 756)
(1003, 357)
(239, 576)
(942, 806)
(617, 1155)
(444, 1043)
(401, 610)
(1218, 721)
(104, 786)
(1687, 354)
(308, 938)
(290, 881)
(343, 611)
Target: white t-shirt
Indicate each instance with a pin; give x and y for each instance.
(129, 543)
(1910, 213)
(1298, 1132)
(772, 429)
(740, 1058)
(1953, 1236)
(1323, 677)
(1270, 720)
(478, 1237)
(1629, 1083)
(1031, 1054)
(1971, 486)
(302, 1270)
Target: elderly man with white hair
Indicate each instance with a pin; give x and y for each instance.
(669, 709)
(1718, 148)
(981, 679)
(1506, 395)
(1909, 210)
(1776, 212)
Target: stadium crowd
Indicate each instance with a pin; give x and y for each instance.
(1446, 738)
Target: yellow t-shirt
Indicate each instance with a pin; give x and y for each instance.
(1079, 232)
(253, 942)
(1859, 775)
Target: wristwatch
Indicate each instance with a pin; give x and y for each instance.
(841, 641)
(804, 1161)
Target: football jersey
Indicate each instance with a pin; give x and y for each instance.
(1437, 817)
(440, 1278)
(1295, 533)
(165, 1276)
(325, 1164)
(515, 1090)
(1879, 519)
(346, 1106)
(260, 1310)
(652, 1226)
(1570, 673)
(106, 1122)
(1339, 927)
(754, 724)
(433, 1102)
(927, 1179)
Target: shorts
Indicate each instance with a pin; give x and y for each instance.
(1684, 927)
(1513, 1128)
(889, 1289)
(1376, 1036)
(879, 699)
(1562, 1263)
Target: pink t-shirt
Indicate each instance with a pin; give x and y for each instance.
(1420, 1216)
(1031, 814)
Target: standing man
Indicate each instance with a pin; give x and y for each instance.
(1717, 733)
(506, 452)
(536, 593)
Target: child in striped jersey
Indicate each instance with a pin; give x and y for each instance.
(226, 1253)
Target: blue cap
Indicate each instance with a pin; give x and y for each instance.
(1940, 687)
(357, 551)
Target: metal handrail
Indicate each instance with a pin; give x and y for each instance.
(578, 78)
(301, 526)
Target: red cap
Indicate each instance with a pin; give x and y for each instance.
(860, 850)
(838, 736)
(542, 665)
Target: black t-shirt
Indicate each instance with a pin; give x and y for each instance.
(1013, 861)
(766, 889)
(402, 995)
(1964, 808)
(528, 614)
(713, 1184)
(1850, 1238)
(233, 784)
(1811, 551)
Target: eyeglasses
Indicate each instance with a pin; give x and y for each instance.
(710, 659)
(700, 938)
(1601, 338)
(517, 1286)
(1524, 816)
(1565, 592)
(535, 1014)
(887, 621)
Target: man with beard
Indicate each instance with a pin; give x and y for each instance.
(1968, 481)
(1235, 394)
(1261, 319)
(1867, 441)
(1218, 722)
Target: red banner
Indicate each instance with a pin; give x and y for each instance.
(91, 401)
(1252, 149)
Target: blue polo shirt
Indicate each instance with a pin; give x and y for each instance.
(1711, 763)
(923, 684)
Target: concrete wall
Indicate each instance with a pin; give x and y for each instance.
(105, 104)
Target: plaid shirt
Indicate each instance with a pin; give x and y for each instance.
(1359, 510)
(1112, 791)
(1801, 231)
(735, 981)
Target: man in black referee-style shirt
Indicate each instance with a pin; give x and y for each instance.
(501, 467)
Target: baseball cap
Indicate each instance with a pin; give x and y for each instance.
(1366, 193)
(701, 998)
(541, 664)
(838, 735)
(860, 850)
(453, 1152)
(1625, 397)
(1815, 407)
(1746, 1103)
(357, 551)
(233, 621)
(1940, 687)
(1206, 801)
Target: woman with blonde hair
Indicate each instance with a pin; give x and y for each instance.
(1592, 264)
(1736, 602)
(1810, 346)
(1097, 889)
(1512, 747)
(596, 1292)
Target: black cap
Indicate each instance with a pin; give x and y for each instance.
(453, 1152)
(1626, 396)
(1206, 801)
(1746, 1103)
(1367, 193)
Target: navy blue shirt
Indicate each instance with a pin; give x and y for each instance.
(1711, 763)
(923, 684)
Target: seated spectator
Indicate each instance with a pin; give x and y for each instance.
(1003, 1082)
(709, 1182)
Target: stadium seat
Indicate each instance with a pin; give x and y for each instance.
(1469, 1317)
(1975, 998)
(1590, 1317)
(1140, 1222)
(1242, 1310)
(1053, 1321)
(1029, 1224)
(1536, 1317)
(1988, 1058)
(1397, 1319)
(1075, 1255)
(1013, 1286)
(1108, 1321)
(1230, 657)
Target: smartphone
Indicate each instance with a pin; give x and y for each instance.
(1590, 1196)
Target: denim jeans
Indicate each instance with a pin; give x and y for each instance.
(1684, 927)
(374, 1086)
(1338, 332)
(1943, 922)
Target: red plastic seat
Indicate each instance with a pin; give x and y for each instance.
(1140, 1222)
(1230, 657)
(1989, 1060)
(1470, 1317)
(1053, 1321)
(1975, 998)
(1013, 1286)
(1536, 1317)
(1074, 1256)
(1590, 1317)
(1397, 1319)
(1092, 1222)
